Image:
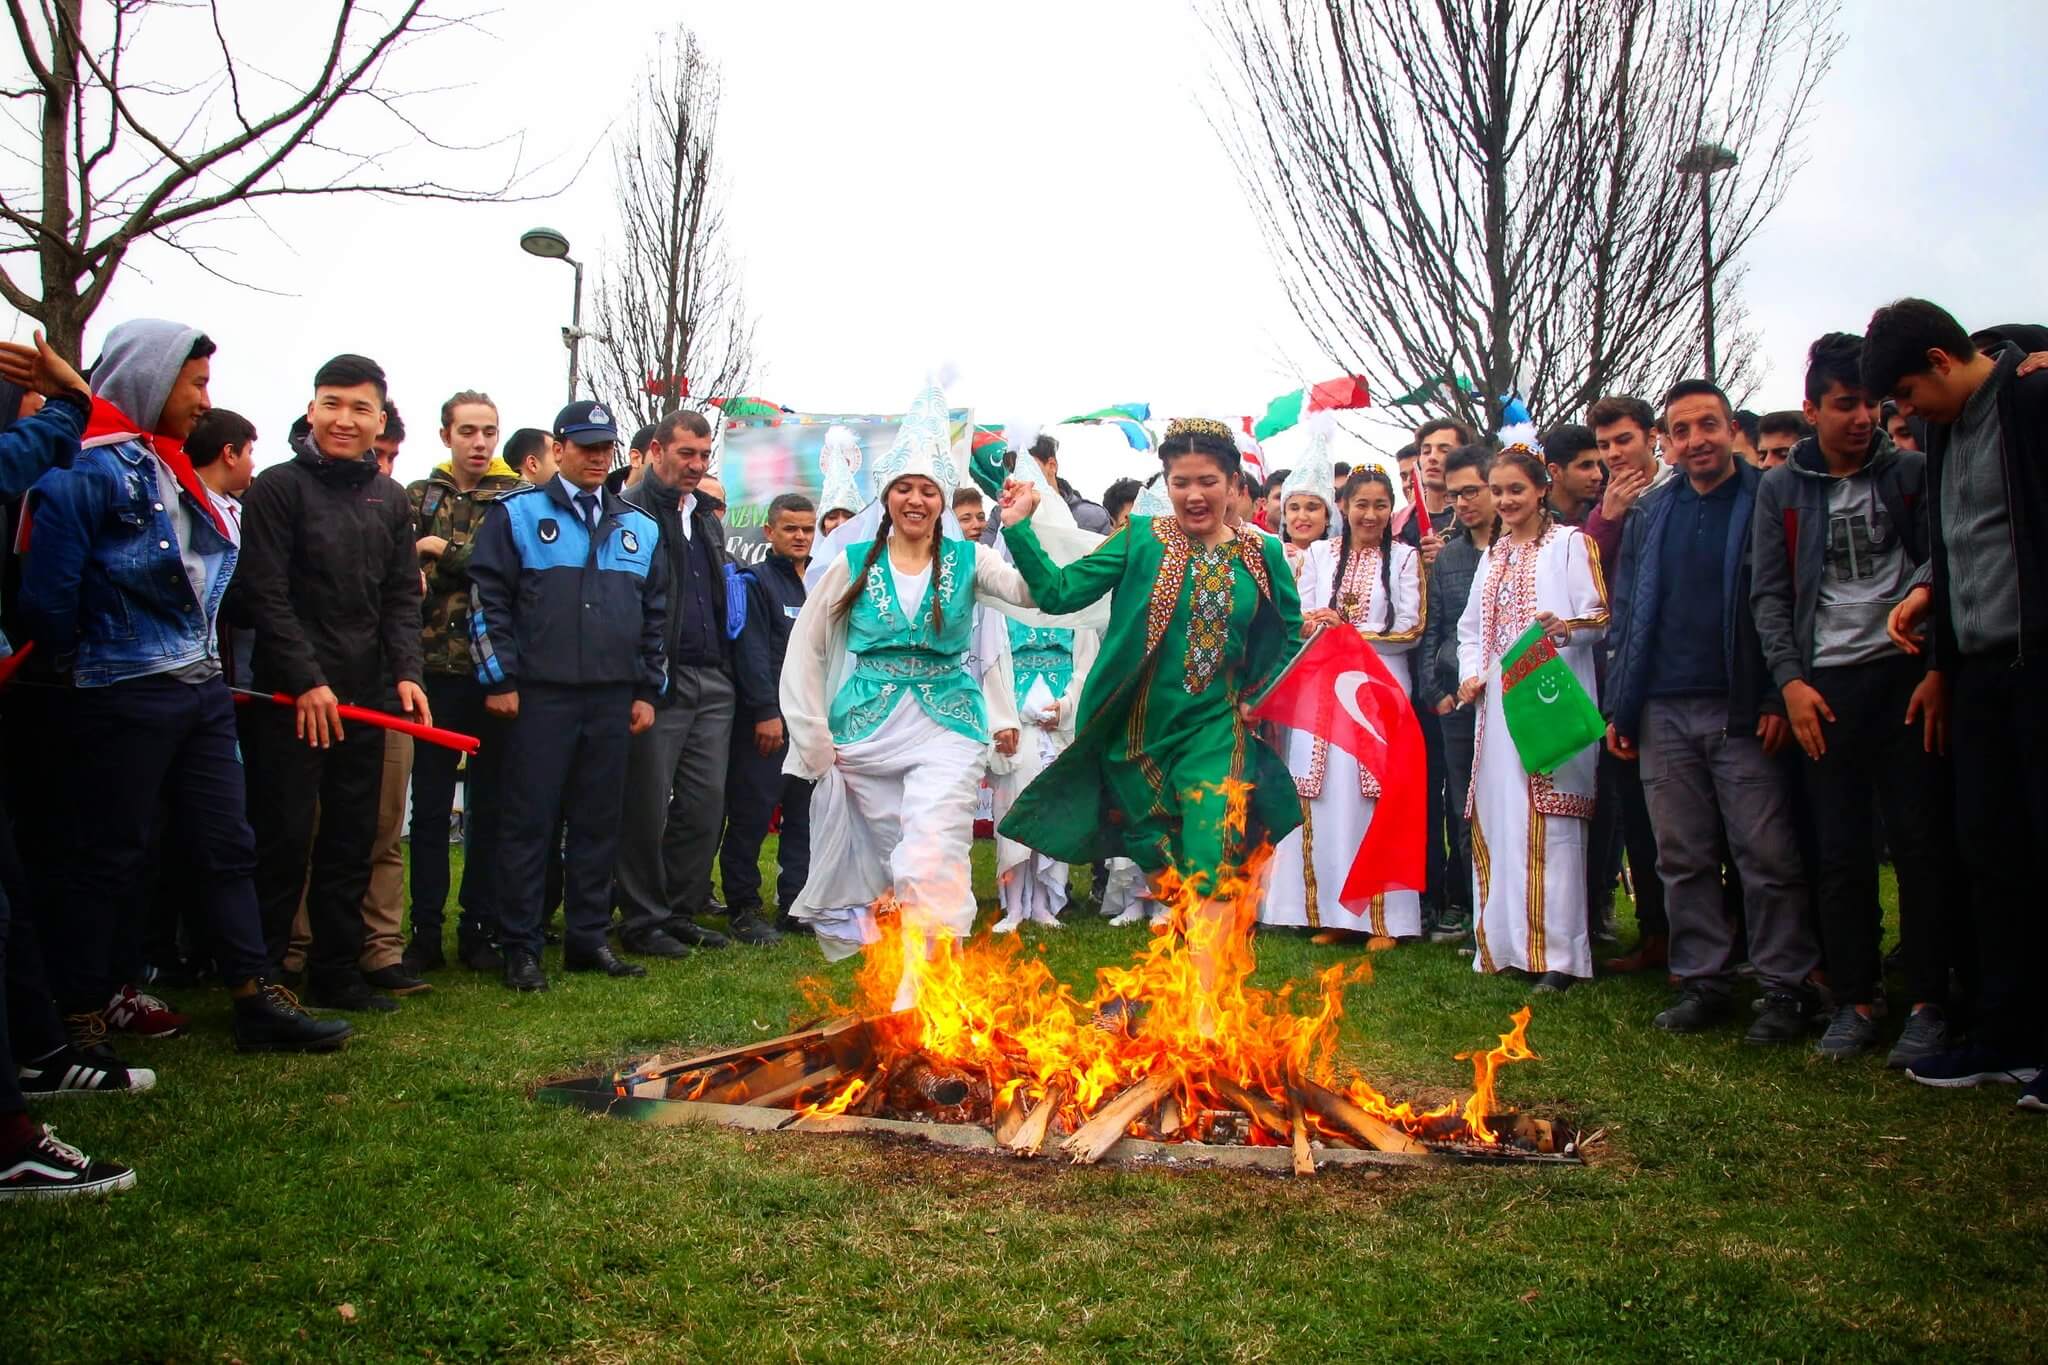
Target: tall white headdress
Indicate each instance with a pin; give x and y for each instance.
(839, 460)
(1316, 471)
(924, 445)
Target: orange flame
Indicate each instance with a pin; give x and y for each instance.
(1184, 1009)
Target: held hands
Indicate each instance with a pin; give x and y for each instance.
(503, 704)
(1805, 709)
(1555, 629)
(768, 736)
(39, 368)
(1006, 742)
(1019, 501)
(1908, 621)
(643, 718)
(319, 717)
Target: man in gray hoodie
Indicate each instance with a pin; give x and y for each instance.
(130, 554)
(1840, 537)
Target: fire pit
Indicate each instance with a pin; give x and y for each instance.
(1176, 1057)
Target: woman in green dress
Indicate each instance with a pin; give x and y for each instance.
(1201, 617)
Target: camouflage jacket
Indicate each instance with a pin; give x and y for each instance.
(439, 508)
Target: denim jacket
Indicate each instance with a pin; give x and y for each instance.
(103, 580)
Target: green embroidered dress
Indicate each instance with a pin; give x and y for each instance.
(1192, 631)
(898, 654)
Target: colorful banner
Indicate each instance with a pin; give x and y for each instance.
(760, 459)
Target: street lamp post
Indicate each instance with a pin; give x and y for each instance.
(1707, 160)
(552, 245)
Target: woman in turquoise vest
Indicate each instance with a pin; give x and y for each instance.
(882, 712)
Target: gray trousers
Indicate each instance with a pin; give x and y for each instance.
(675, 803)
(1699, 779)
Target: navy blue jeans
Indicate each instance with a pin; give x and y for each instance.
(458, 704)
(566, 763)
(130, 744)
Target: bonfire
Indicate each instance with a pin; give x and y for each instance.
(1178, 1047)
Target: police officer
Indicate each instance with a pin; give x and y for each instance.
(568, 627)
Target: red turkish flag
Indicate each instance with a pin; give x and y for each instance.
(1339, 689)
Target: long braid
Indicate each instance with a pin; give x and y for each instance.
(1387, 569)
(859, 584)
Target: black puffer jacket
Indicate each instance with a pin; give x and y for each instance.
(775, 595)
(329, 578)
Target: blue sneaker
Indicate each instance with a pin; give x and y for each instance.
(1977, 1064)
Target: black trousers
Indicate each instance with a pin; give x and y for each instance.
(31, 801)
(294, 788)
(754, 787)
(29, 1026)
(1622, 817)
(1437, 834)
(565, 761)
(1870, 748)
(131, 744)
(1998, 734)
(1459, 740)
(458, 704)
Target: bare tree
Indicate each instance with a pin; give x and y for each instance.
(671, 314)
(112, 139)
(1472, 198)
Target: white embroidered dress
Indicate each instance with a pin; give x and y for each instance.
(1529, 831)
(1048, 668)
(1338, 796)
(893, 810)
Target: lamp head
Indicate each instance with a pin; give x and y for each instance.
(546, 242)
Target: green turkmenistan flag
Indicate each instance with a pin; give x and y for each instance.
(1548, 713)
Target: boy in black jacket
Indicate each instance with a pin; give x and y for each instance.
(755, 782)
(330, 580)
(1987, 605)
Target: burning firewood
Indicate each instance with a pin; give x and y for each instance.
(1030, 1138)
(1339, 1112)
(1267, 1114)
(1102, 1132)
(1297, 1127)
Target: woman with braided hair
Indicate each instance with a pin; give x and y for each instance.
(1200, 617)
(1529, 829)
(1371, 583)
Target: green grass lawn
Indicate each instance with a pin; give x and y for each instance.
(1749, 1204)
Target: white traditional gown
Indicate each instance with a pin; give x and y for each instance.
(1338, 796)
(1032, 885)
(1529, 831)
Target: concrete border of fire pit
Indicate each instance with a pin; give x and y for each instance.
(596, 1094)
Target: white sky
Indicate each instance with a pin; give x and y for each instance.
(1032, 195)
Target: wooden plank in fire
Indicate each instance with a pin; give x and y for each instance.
(1267, 1114)
(1030, 1136)
(781, 1096)
(1340, 1112)
(770, 1075)
(1106, 1127)
(654, 1068)
(1297, 1127)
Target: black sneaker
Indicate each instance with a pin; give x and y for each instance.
(691, 934)
(787, 923)
(482, 956)
(272, 1020)
(1925, 1034)
(748, 927)
(1787, 1017)
(602, 960)
(49, 1169)
(1694, 1011)
(1978, 1064)
(1455, 930)
(353, 994)
(653, 943)
(1555, 983)
(423, 955)
(1851, 1033)
(396, 980)
(74, 1070)
(522, 971)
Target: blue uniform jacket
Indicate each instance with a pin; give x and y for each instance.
(547, 605)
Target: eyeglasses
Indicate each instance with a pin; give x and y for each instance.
(1470, 490)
